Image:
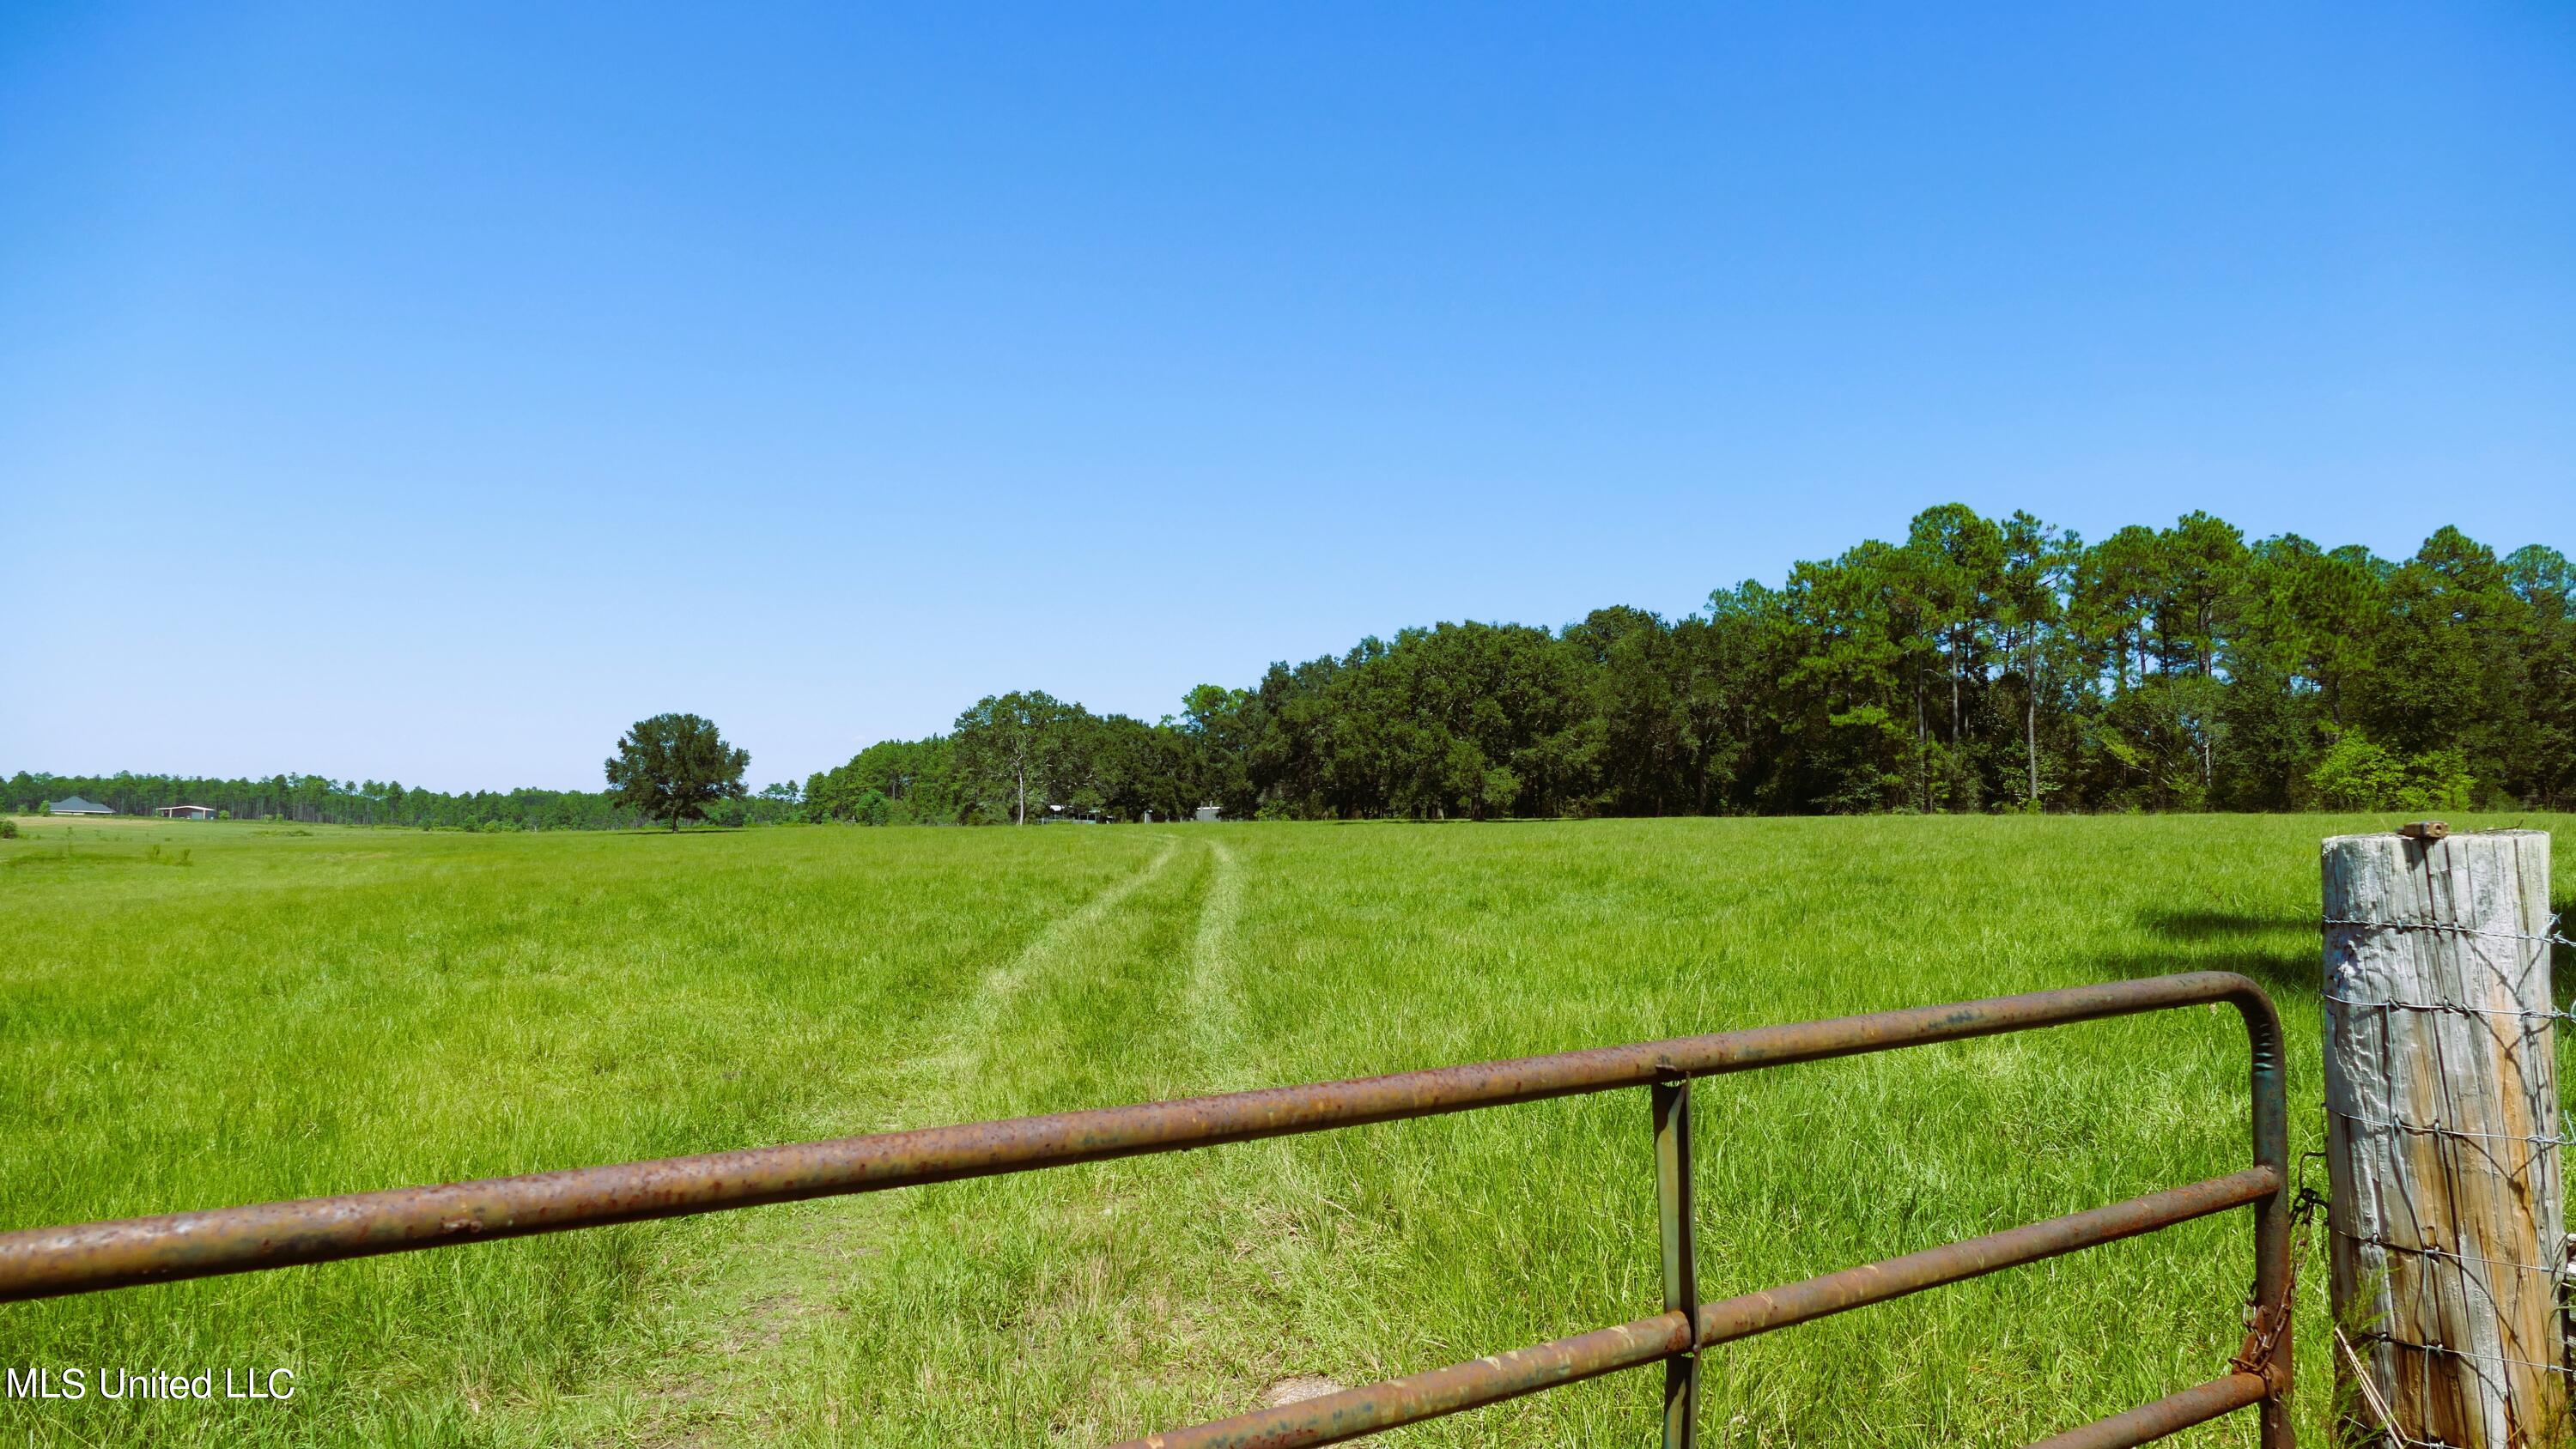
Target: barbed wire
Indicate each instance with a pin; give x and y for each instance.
(2477, 1356)
(2450, 1253)
(2540, 1144)
(2547, 933)
(2455, 1008)
(2436, 1129)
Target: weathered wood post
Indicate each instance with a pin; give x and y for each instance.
(2443, 1137)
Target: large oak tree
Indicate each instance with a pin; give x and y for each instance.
(673, 766)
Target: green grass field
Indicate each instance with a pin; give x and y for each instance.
(198, 1015)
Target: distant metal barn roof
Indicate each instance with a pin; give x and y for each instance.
(78, 806)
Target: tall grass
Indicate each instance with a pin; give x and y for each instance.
(349, 1009)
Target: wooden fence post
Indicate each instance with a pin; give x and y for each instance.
(2443, 1137)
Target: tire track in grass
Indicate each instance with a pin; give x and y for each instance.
(775, 1281)
(1208, 1001)
(1007, 1309)
(1071, 1306)
(1245, 1180)
(1244, 1188)
(979, 1019)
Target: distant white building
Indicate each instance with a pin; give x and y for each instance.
(78, 806)
(1209, 813)
(184, 812)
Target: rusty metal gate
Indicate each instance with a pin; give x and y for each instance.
(87, 1257)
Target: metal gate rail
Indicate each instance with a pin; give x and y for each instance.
(88, 1257)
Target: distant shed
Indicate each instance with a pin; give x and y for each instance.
(1210, 812)
(78, 806)
(184, 812)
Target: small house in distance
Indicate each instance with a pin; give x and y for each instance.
(78, 806)
(184, 812)
(1210, 812)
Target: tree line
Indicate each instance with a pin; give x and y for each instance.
(321, 800)
(1979, 664)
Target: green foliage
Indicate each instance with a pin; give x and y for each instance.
(889, 783)
(2357, 774)
(1979, 664)
(1012, 746)
(320, 800)
(8, 829)
(673, 767)
(1976, 664)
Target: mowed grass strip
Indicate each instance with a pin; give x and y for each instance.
(861, 979)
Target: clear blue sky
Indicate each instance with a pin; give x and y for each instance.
(431, 391)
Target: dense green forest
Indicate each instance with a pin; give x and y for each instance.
(1980, 664)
